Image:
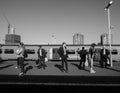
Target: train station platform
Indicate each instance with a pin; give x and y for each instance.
(52, 74)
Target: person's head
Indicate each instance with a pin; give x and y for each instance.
(40, 46)
(104, 47)
(83, 48)
(63, 44)
(93, 45)
(21, 44)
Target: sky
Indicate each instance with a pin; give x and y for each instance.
(37, 20)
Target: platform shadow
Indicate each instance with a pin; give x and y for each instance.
(59, 67)
(28, 68)
(113, 69)
(25, 64)
(3, 67)
(79, 67)
(75, 65)
(108, 67)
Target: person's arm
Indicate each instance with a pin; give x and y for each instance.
(19, 51)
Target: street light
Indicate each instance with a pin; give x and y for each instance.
(109, 26)
(109, 4)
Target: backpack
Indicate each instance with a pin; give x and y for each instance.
(25, 54)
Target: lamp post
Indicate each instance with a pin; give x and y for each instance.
(109, 28)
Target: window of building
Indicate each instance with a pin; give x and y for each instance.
(71, 51)
(114, 52)
(0, 51)
(30, 51)
(9, 51)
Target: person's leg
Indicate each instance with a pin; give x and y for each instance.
(22, 65)
(66, 64)
(43, 60)
(63, 60)
(80, 63)
(18, 63)
(84, 60)
(21, 60)
(91, 66)
(105, 61)
(40, 62)
(101, 62)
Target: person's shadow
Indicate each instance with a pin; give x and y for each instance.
(108, 67)
(28, 68)
(3, 67)
(80, 68)
(59, 67)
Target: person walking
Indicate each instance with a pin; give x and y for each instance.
(63, 55)
(20, 58)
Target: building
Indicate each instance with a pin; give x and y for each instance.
(12, 39)
(105, 39)
(78, 39)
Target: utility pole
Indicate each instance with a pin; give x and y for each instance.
(109, 28)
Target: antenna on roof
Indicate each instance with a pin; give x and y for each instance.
(8, 22)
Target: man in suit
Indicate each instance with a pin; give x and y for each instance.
(83, 54)
(41, 57)
(104, 57)
(63, 55)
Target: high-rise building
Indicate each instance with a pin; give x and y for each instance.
(105, 39)
(12, 39)
(78, 39)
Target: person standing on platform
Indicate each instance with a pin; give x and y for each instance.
(104, 57)
(83, 54)
(20, 58)
(41, 57)
(63, 55)
(91, 56)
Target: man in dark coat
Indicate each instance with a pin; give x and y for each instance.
(104, 57)
(63, 55)
(83, 54)
(41, 57)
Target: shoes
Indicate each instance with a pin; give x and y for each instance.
(80, 67)
(16, 67)
(92, 71)
(21, 74)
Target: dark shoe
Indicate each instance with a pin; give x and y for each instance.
(80, 67)
(105, 66)
(83, 67)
